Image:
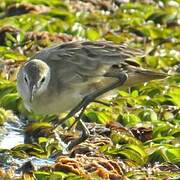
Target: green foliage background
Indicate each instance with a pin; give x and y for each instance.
(150, 25)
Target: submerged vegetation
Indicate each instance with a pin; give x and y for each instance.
(137, 136)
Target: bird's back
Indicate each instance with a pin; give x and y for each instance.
(77, 62)
(89, 62)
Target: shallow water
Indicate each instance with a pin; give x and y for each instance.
(11, 134)
(11, 139)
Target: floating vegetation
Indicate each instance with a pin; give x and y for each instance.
(134, 135)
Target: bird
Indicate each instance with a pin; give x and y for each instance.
(69, 76)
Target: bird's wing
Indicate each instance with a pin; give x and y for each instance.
(92, 65)
(88, 61)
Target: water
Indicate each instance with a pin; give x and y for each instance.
(11, 134)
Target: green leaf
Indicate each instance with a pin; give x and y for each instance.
(124, 138)
(20, 37)
(99, 117)
(41, 175)
(157, 17)
(92, 34)
(129, 120)
(148, 115)
(10, 37)
(10, 101)
(128, 151)
(165, 153)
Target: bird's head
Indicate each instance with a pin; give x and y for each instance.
(33, 79)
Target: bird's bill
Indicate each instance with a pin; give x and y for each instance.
(32, 90)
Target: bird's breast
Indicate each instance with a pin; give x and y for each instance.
(55, 103)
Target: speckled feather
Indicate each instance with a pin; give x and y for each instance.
(78, 69)
(77, 62)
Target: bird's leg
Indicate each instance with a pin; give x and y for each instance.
(91, 97)
(85, 102)
(70, 127)
(95, 101)
(85, 132)
(76, 109)
(103, 103)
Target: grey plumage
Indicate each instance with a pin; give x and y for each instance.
(79, 68)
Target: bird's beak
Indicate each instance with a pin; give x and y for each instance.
(32, 90)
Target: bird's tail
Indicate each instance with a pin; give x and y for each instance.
(138, 75)
(151, 74)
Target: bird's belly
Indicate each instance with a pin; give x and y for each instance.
(56, 104)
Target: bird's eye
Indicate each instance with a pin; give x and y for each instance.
(43, 79)
(26, 80)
